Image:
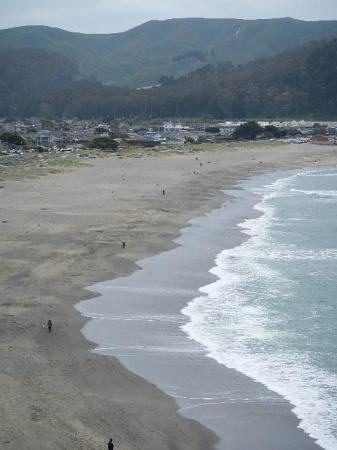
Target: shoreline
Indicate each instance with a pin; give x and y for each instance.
(129, 316)
(53, 244)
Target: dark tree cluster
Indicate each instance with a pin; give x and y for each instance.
(12, 138)
(105, 143)
(249, 130)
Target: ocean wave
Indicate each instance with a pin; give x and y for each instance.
(234, 322)
(316, 173)
(136, 318)
(288, 374)
(318, 193)
(242, 335)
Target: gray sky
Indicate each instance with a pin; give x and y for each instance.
(108, 16)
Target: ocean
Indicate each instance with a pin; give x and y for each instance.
(272, 313)
(239, 319)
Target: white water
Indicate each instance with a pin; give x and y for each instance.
(254, 319)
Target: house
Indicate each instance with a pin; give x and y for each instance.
(154, 136)
(174, 127)
(227, 128)
(45, 137)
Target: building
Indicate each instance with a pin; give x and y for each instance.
(45, 137)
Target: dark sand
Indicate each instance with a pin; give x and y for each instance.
(63, 232)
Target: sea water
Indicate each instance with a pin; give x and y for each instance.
(272, 313)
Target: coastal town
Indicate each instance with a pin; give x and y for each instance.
(37, 135)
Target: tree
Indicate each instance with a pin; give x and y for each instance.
(105, 143)
(274, 132)
(101, 130)
(12, 138)
(214, 130)
(248, 130)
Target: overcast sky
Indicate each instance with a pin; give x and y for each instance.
(108, 16)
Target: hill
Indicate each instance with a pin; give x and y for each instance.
(142, 55)
(298, 83)
(26, 73)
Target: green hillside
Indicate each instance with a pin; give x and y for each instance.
(28, 73)
(175, 47)
(299, 83)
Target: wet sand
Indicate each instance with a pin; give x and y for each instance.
(63, 232)
(139, 320)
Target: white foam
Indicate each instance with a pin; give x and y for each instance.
(238, 332)
(319, 174)
(167, 318)
(318, 193)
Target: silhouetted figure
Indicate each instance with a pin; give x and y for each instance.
(163, 191)
(123, 244)
(49, 324)
(110, 445)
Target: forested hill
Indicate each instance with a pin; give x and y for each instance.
(25, 74)
(298, 83)
(140, 56)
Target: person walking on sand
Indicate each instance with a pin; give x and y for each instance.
(49, 324)
(110, 445)
(123, 244)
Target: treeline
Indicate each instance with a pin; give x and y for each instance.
(298, 83)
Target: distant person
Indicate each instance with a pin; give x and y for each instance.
(49, 324)
(123, 244)
(110, 445)
(163, 191)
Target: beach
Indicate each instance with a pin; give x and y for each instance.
(64, 232)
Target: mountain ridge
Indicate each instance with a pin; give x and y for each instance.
(173, 47)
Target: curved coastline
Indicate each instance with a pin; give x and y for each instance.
(234, 397)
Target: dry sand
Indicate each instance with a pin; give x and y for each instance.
(63, 232)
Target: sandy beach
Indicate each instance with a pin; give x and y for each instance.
(63, 232)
